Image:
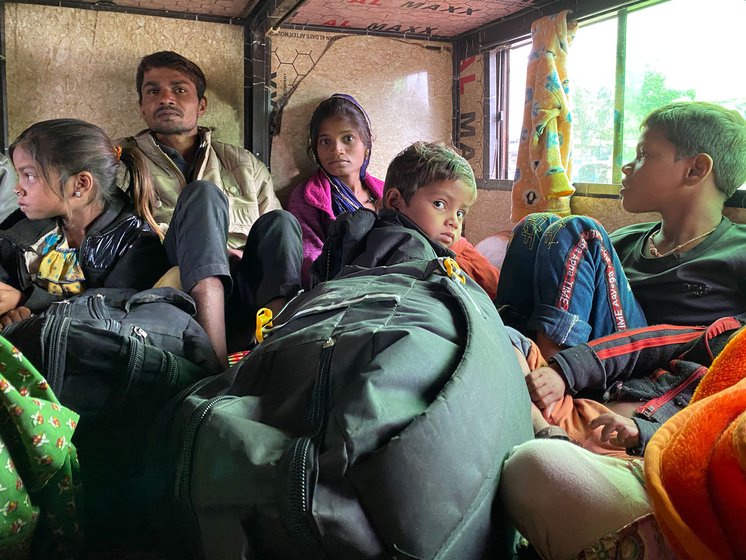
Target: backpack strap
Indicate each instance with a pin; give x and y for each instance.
(417, 269)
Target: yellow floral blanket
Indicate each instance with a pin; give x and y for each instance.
(542, 179)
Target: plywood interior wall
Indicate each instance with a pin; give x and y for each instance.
(492, 213)
(66, 62)
(405, 86)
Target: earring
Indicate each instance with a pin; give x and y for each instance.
(18, 193)
(77, 194)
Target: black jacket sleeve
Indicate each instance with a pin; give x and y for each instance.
(621, 356)
(140, 266)
(121, 251)
(38, 299)
(363, 239)
(647, 427)
(13, 270)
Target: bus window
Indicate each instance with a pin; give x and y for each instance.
(660, 63)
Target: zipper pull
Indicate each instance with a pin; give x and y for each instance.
(329, 342)
(141, 334)
(646, 411)
(612, 391)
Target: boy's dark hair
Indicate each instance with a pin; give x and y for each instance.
(170, 59)
(696, 127)
(344, 107)
(423, 163)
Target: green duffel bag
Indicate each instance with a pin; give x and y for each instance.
(372, 422)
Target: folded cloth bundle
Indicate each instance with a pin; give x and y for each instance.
(695, 465)
(542, 178)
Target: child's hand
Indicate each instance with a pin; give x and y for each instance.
(618, 430)
(10, 298)
(546, 386)
(14, 315)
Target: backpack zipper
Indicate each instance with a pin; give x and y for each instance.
(60, 308)
(135, 362)
(319, 397)
(451, 270)
(97, 309)
(317, 309)
(171, 370)
(139, 333)
(295, 516)
(190, 434)
(56, 332)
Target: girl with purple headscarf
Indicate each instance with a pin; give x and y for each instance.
(340, 143)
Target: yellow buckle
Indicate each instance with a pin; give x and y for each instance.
(453, 270)
(263, 323)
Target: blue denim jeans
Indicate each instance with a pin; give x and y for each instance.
(563, 276)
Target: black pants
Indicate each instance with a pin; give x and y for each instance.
(270, 268)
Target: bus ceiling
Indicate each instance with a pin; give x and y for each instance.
(445, 20)
(469, 26)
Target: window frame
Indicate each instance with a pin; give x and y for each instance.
(497, 113)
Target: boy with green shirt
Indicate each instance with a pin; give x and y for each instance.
(572, 282)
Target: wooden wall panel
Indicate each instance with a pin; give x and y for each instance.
(405, 86)
(65, 62)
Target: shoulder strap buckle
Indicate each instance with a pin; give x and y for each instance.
(263, 323)
(452, 269)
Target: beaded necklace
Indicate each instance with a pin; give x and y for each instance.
(655, 253)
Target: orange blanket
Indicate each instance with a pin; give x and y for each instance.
(695, 465)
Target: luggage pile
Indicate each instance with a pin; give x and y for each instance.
(115, 357)
(372, 422)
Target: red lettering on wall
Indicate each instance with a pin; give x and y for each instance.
(466, 63)
(462, 81)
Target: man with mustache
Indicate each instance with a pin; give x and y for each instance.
(208, 193)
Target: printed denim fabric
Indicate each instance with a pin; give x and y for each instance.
(38, 465)
(516, 287)
(563, 276)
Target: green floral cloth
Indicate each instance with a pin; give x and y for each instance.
(38, 465)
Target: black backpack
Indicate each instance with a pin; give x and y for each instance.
(160, 317)
(116, 357)
(372, 422)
